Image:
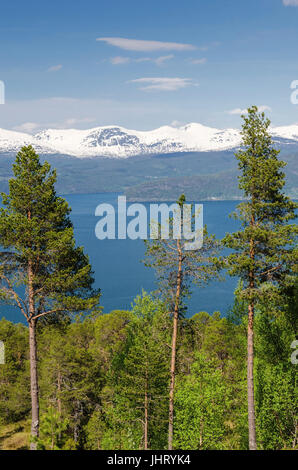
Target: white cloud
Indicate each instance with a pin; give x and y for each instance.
(119, 60)
(290, 3)
(72, 122)
(239, 111)
(176, 123)
(201, 61)
(143, 59)
(55, 68)
(27, 127)
(158, 60)
(31, 127)
(145, 46)
(50, 112)
(162, 59)
(163, 83)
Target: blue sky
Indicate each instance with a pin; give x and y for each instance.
(144, 64)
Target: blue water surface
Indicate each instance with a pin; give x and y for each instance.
(117, 265)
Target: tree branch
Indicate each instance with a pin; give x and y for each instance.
(18, 300)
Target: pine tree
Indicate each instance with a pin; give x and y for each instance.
(176, 267)
(263, 250)
(51, 431)
(41, 255)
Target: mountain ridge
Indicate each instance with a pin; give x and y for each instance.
(119, 142)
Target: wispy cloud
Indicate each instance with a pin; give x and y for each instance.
(33, 127)
(73, 122)
(55, 68)
(145, 46)
(54, 112)
(177, 124)
(161, 60)
(163, 83)
(239, 111)
(27, 127)
(119, 60)
(201, 61)
(290, 3)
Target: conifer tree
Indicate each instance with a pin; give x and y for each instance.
(264, 248)
(37, 234)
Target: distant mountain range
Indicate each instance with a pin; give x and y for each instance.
(118, 142)
(147, 166)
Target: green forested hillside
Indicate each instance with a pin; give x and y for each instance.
(92, 382)
(153, 178)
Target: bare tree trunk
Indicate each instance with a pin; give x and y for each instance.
(33, 359)
(34, 384)
(76, 425)
(250, 356)
(33, 356)
(59, 407)
(295, 440)
(59, 392)
(146, 417)
(174, 347)
(250, 380)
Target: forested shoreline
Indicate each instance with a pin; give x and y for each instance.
(151, 378)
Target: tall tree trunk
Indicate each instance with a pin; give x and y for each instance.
(33, 359)
(146, 416)
(76, 423)
(250, 380)
(34, 384)
(295, 440)
(59, 392)
(250, 353)
(59, 406)
(174, 347)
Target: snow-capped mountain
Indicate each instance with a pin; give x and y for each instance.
(118, 142)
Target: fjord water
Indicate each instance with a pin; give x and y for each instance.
(117, 266)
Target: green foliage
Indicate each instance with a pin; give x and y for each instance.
(238, 310)
(200, 404)
(70, 378)
(276, 378)
(37, 233)
(14, 374)
(139, 372)
(265, 246)
(277, 415)
(93, 377)
(51, 431)
(223, 346)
